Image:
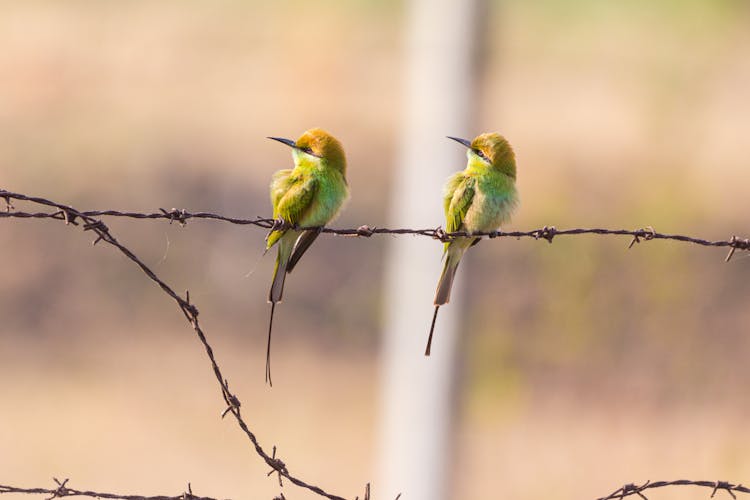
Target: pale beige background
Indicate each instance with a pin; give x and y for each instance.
(587, 365)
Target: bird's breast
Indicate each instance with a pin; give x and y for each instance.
(330, 196)
(489, 209)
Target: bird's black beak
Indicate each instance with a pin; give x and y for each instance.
(460, 141)
(288, 142)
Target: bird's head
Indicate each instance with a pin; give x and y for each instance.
(317, 146)
(493, 150)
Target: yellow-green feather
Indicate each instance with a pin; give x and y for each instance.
(477, 199)
(458, 197)
(292, 204)
(310, 195)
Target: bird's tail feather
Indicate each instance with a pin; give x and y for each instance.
(286, 245)
(452, 258)
(300, 247)
(268, 347)
(453, 253)
(432, 330)
(282, 261)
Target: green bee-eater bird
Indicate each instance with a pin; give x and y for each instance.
(309, 195)
(478, 199)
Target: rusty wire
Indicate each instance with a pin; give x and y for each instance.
(547, 233)
(624, 491)
(89, 222)
(71, 216)
(62, 490)
(634, 489)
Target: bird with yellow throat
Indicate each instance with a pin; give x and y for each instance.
(304, 198)
(478, 199)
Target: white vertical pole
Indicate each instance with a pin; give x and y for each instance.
(417, 392)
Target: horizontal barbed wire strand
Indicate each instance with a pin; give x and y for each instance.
(546, 233)
(62, 490)
(716, 486)
(624, 491)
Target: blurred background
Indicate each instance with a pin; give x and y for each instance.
(584, 365)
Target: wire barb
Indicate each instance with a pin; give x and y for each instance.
(546, 233)
(365, 231)
(736, 243)
(180, 216)
(277, 465)
(8, 204)
(723, 485)
(440, 234)
(233, 404)
(647, 234)
(189, 493)
(61, 490)
(367, 493)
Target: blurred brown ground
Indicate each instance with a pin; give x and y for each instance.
(587, 366)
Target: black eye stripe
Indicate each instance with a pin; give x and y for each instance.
(479, 153)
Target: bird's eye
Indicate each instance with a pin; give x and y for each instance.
(480, 154)
(307, 150)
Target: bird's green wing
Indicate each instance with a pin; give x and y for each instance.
(292, 204)
(280, 184)
(450, 188)
(295, 202)
(459, 194)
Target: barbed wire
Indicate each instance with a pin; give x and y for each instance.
(716, 486)
(89, 222)
(547, 233)
(70, 216)
(624, 491)
(62, 490)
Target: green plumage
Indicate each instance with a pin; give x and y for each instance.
(307, 196)
(477, 199)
